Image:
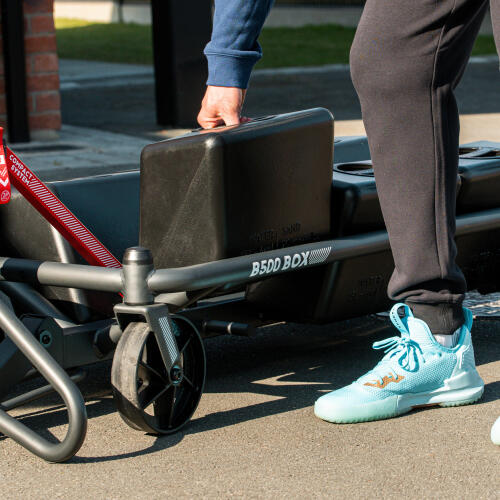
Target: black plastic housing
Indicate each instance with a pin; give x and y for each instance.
(340, 290)
(231, 191)
(355, 206)
(351, 148)
(107, 204)
(480, 173)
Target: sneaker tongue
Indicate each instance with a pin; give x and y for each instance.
(420, 333)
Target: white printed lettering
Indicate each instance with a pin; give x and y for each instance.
(255, 269)
(295, 261)
(263, 267)
(287, 262)
(305, 256)
(270, 265)
(277, 264)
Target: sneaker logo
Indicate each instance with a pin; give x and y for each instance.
(385, 381)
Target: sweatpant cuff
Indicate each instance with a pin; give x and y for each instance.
(441, 318)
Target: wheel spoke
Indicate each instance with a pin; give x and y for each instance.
(145, 394)
(164, 406)
(152, 371)
(181, 351)
(172, 407)
(185, 379)
(157, 396)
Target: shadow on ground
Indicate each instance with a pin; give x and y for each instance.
(293, 364)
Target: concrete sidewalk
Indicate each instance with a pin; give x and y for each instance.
(120, 98)
(80, 152)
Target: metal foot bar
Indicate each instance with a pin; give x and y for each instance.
(60, 381)
(36, 394)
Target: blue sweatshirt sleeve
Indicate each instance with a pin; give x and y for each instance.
(234, 49)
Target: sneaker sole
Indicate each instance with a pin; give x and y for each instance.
(495, 432)
(399, 405)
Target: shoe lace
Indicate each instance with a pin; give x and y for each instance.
(399, 351)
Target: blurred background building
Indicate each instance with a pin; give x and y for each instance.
(29, 69)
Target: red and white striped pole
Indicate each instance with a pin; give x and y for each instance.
(54, 211)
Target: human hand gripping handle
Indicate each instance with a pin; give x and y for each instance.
(221, 106)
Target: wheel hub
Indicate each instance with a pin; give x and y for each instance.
(176, 374)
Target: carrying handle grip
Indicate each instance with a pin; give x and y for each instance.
(59, 380)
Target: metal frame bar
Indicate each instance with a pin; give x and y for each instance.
(100, 279)
(36, 394)
(60, 382)
(31, 300)
(214, 274)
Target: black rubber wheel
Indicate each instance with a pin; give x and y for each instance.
(147, 397)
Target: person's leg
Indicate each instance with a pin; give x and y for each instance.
(407, 57)
(495, 19)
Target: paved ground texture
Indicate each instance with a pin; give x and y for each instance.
(255, 435)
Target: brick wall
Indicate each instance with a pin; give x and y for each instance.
(42, 68)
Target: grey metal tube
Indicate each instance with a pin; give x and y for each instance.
(37, 393)
(238, 269)
(60, 381)
(478, 221)
(31, 300)
(213, 274)
(58, 274)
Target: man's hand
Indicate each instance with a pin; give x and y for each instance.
(221, 106)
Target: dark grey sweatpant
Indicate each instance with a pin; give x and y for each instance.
(406, 60)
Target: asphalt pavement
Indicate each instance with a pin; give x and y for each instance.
(254, 434)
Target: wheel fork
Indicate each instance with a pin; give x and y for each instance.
(138, 302)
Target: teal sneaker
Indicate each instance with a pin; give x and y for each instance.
(495, 432)
(415, 371)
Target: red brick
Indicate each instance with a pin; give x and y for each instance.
(47, 101)
(37, 83)
(51, 121)
(44, 63)
(43, 43)
(41, 24)
(31, 103)
(34, 6)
